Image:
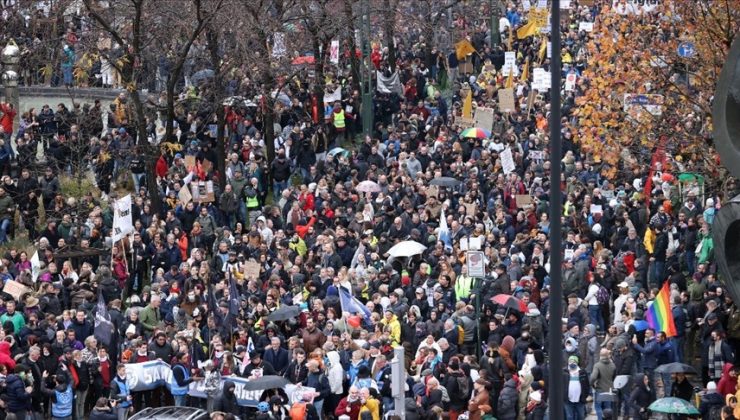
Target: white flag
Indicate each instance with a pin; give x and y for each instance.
(35, 266)
(122, 219)
(278, 45)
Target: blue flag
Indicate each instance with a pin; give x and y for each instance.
(351, 305)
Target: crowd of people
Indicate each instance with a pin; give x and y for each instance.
(196, 282)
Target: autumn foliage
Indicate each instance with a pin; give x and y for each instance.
(638, 54)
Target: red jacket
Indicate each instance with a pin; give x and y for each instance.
(5, 357)
(161, 167)
(354, 409)
(7, 119)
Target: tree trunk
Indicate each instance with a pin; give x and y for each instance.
(218, 96)
(354, 62)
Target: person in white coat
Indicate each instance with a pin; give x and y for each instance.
(335, 374)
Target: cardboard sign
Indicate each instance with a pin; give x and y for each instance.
(465, 122)
(251, 270)
(506, 101)
(202, 192)
(586, 26)
(523, 200)
(470, 208)
(15, 289)
(433, 191)
(184, 195)
(484, 118)
(206, 165)
(189, 161)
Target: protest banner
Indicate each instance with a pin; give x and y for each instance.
(184, 195)
(15, 289)
(537, 154)
(507, 161)
(510, 66)
(636, 104)
(147, 375)
(541, 79)
(476, 262)
(506, 101)
(334, 52)
(244, 396)
(586, 26)
(123, 223)
(523, 200)
(202, 192)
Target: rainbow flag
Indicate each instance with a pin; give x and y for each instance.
(659, 314)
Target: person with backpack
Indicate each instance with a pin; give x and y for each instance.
(458, 387)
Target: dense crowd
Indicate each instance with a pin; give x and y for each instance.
(200, 284)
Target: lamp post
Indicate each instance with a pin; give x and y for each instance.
(367, 80)
(495, 16)
(556, 212)
(10, 57)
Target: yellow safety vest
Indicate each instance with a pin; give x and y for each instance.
(253, 202)
(339, 119)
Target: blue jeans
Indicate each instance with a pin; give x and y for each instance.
(319, 406)
(575, 411)
(658, 273)
(690, 261)
(137, 181)
(600, 406)
(594, 316)
(4, 227)
(180, 400)
(277, 189)
(67, 74)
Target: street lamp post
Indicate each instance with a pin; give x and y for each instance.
(556, 204)
(367, 80)
(495, 16)
(10, 58)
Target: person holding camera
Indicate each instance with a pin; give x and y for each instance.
(104, 410)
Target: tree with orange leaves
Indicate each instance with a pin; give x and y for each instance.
(637, 54)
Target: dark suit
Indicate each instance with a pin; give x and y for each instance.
(278, 359)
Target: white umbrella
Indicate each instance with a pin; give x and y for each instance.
(406, 249)
(368, 186)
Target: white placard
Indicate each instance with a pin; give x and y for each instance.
(565, 4)
(596, 208)
(122, 219)
(570, 82)
(541, 4)
(476, 262)
(526, 5)
(278, 45)
(586, 26)
(541, 79)
(509, 64)
(507, 161)
(549, 49)
(569, 254)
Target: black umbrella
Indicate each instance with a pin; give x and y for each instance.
(284, 313)
(266, 382)
(445, 181)
(676, 368)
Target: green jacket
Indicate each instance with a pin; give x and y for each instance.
(150, 318)
(17, 319)
(696, 291)
(7, 206)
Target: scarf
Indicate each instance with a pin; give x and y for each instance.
(715, 360)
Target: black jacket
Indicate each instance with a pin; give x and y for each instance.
(226, 400)
(98, 414)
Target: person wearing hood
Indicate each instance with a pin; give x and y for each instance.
(589, 345)
(336, 381)
(507, 400)
(711, 402)
(391, 322)
(17, 392)
(6, 358)
(575, 381)
(682, 388)
(536, 407)
(226, 401)
(728, 383)
(640, 398)
(61, 396)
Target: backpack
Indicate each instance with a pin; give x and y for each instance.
(602, 296)
(445, 394)
(462, 386)
(298, 411)
(460, 335)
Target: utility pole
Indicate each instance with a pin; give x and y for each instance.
(367, 76)
(495, 17)
(556, 213)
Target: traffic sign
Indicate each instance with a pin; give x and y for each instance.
(686, 49)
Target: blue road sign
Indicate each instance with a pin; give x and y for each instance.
(686, 49)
